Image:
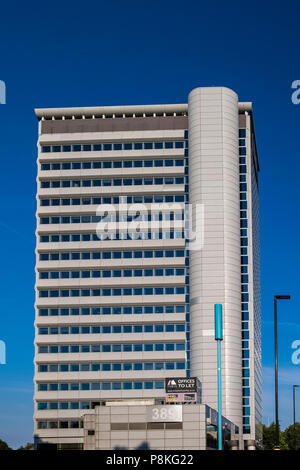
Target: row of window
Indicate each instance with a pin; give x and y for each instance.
(104, 292)
(90, 219)
(114, 426)
(107, 164)
(112, 310)
(85, 386)
(73, 424)
(113, 146)
(86, 274)
(86, 255)
(96, 348)
(187, 295)
(111, 329)
(147, 199)
(114, 366)
(244, 288)
(87, 183)
(85, 237)
(143, 426)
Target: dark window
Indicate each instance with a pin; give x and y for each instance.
(155, 425)
(173, 425)
(137, 426)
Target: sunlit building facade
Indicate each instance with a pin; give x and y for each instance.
(116, 315)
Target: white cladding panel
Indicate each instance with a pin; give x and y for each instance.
(215, 269)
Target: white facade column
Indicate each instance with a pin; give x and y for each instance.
(215, 269)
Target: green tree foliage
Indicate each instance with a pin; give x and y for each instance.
(290, 436)
(286, 437)
(269, 436)
(4, 446)
(28, 446)
(283, 443)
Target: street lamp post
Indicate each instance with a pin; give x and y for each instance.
(277, 297)
(219, 338)
(294, 414)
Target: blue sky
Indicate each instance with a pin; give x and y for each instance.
(105, 53)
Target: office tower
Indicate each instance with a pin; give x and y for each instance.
(117, 314)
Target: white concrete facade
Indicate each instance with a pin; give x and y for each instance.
(74, 370)
(54, 416)
(144, 426)
(215, 270)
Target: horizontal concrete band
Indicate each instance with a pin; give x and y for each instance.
(114, 125)
(109, 110)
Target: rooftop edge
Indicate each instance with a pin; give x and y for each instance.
(144, 109)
